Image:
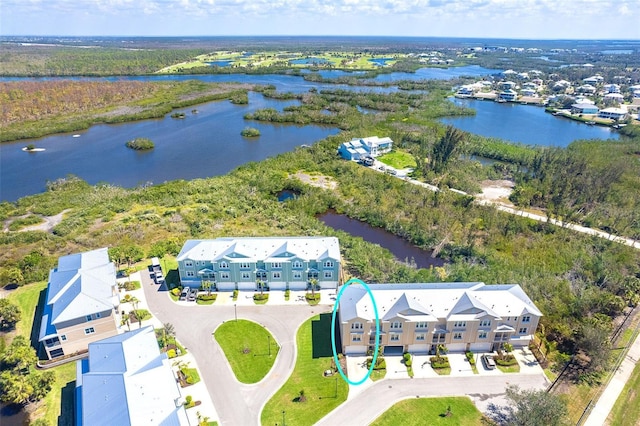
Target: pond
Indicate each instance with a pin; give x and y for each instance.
(222, 63)
(526, 124)
(402, 249)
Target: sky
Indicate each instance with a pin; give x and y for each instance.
(520, 19)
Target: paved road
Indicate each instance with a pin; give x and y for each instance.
(235, 403)
(375, 400)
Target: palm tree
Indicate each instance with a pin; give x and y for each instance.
(314, 283)
(167, 330)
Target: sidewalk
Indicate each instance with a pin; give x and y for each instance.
(607, 400)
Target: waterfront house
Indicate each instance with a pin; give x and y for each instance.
(127, 381)
(613, 113)
(417, 317)
(276, 263)
(81, 303)
(358, 148)
(508, 95)
(584, 108)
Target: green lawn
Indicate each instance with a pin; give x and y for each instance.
(431, 411)
(398, 160)
(314, 357)
(61, 395)
(246, 346)
(626, 411)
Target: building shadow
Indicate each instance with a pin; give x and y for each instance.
(35, 327)
(67, 405)
(321, 337)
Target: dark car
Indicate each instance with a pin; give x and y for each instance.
(488, 362)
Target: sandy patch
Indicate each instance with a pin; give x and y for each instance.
(49, 223)
(320, 181)
(496, 191)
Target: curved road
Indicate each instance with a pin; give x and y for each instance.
(235, 403)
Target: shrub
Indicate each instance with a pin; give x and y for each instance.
(235, 294)
(207, 296)
(258, 296)
(470, 358)
(171, 353)
(381, 364)
(439, 362)
(140, 144)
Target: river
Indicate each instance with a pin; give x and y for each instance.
(527, 124)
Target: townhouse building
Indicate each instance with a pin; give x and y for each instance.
(275, 263)
(417, 317)
(81, 304)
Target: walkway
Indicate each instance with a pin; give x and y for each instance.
(605, 403)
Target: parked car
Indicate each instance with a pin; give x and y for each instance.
(392, 172)
(185, 293)
(193, 294)
(159, 277)
(488, 362)
(368, 161)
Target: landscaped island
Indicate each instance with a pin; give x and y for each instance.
(250, 132)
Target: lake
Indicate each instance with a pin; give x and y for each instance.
(526, 124)
(200, 145)
(402, 249)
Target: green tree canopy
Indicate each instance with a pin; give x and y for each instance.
(9, 314)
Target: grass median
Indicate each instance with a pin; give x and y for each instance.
(250, 349)
(308, 395)
(431, 411)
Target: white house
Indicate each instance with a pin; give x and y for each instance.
(508, 95)
(418, 317)
(359, 148)
(613, 113)
(613, 98)
(127, 381)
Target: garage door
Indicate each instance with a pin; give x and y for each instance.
(355, 350)
(226, 286)
(300, 285)
(480, 347)
(277, 286)
(393, 350)
(419, 349)
(247, 286)
(456, 347)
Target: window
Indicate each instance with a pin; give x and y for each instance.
(395, 338)
(277, 275)
(88, 318)
(297, 264)
(98, 315)
(515, 319)
(526, 318)
(191, 274)
(482, 335)
(457, 336)
(63, 337)
(188, 263)
(89, 330)
(245, 265)
(328, 264)
(223, 265)
(276, 265)
(224, 275)
(356, 337)
(197, 263)
(459, 324)
(438, 337)
(420, 337)
(485, 323)
(328, 274)
(297, 275)
(421, 324)
(356, 326)
(246, 275)
(396, 325)
(523, 330)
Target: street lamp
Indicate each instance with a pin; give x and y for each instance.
(235, 311)
(283, 422)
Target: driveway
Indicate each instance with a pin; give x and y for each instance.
(235, 403)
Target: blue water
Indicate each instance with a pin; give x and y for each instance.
(526, 124)
(219, 63)
(380, 61)
(200, 145)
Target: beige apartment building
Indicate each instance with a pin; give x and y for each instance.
(81, 303)
(417, 317)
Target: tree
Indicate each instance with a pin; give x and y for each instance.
(11, 275)
(15, 388)
(206, 285)
(445, 148)
(529, 408)
(19, 356)
(9, 314)
(168, 330)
